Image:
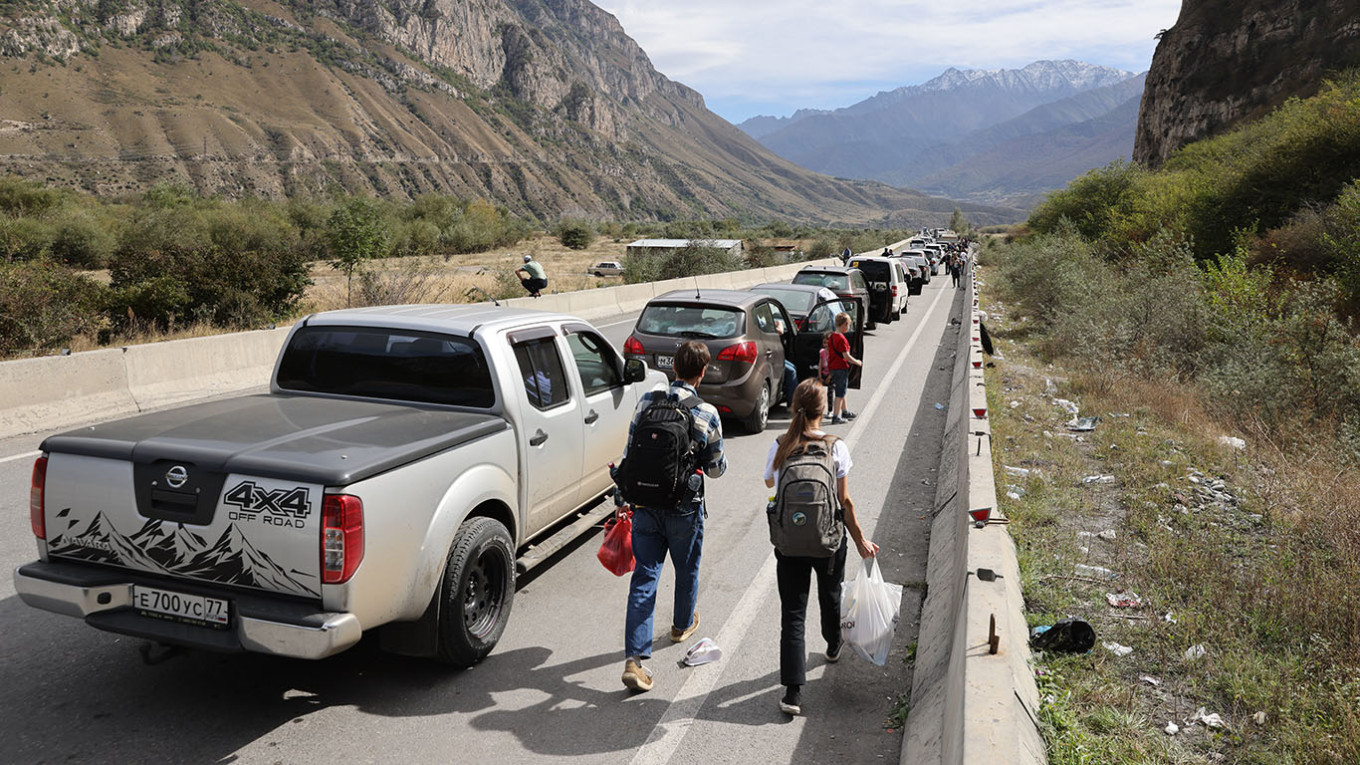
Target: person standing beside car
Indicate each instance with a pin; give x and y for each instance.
(659, 529)
(839, 364)
(803, 555)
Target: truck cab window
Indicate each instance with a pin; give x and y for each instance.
(540, 367)
(595, 362)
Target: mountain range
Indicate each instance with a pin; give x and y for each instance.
(1004, 136)
(544, 106)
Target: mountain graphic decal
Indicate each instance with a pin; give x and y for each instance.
(165, 547)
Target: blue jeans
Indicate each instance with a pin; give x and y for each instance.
(790, 382)
(656, 533)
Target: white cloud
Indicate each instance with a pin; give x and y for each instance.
(749, 55)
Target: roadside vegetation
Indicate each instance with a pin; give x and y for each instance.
(1206, 302)
(79, 272)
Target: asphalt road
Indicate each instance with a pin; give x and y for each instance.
(551, 689)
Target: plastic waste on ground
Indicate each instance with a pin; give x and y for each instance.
(1070, 406)
(1172, 729)
(1098, 479)
(1124, 599)
(1067, 636)
(1195, 652)
(1082, 424)
(702, 652)
(1232, 441)
(1095, 572)
(1117, 649)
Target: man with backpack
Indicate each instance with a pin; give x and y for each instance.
(809, 516)
(675, 439)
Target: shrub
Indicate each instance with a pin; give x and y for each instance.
(693, 260)
(81, 240)
(25, 238)
(576, 235)
(44, 304)
(415, 281)
(19, 197)
(355, 232)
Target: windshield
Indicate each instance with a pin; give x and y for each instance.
(794, 301)
(692, 321)
(373, 362)
(837, 282)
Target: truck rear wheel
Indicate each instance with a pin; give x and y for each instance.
(477, 591)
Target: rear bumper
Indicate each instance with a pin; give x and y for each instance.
(259, 623)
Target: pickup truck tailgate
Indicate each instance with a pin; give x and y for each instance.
(230, 492)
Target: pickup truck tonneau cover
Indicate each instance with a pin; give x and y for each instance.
(313, 439)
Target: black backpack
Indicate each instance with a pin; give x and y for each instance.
(805, 516)
(659, 469)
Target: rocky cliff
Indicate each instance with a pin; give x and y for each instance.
(1225, 61)
(546, 106)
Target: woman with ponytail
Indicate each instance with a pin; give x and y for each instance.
(794, 573)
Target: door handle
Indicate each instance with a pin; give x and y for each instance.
(538, 438)
(592, 417)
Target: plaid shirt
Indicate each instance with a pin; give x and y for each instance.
(706, 432)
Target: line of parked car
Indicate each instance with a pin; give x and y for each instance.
(750, 333)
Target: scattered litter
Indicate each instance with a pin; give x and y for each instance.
(1209, 720)
(1047, 434)
(1259, 718)
(1233, 442)
(1098, 479)
(1117, 414)
(1108, 535)
(1082, 424)
(1124, 599)
(925, 482)
(1013, 404)
(940, 406)
(1150, 680)
(1117, 649)
(1018, 472)
(1012, 495)
(1097, 572)
(1013, 488)
(1049, 388)
(1067, 636)
(702, 652)
(1195, 652)
(1167, 463)
(1071, 408)
(1172, 729)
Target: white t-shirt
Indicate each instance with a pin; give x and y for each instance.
(840, 457)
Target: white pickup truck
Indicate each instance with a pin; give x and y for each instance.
(406, 462)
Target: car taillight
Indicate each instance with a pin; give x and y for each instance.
(894, 290)
(802, 324)
(633, 347)
(342, 537)
(35, 498)
(744, 352)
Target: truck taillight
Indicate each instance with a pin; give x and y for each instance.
(633, 347)
(744, 352)
(894, 290)
(35, 498)
(342, 537)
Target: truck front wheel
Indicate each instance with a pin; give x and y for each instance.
(477, 591)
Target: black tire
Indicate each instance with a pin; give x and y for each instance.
(476, 593)
(597, 273)
(760, 416)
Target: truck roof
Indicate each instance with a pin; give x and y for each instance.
(446, 318)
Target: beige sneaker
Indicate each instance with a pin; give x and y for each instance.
(636, 676)
(680, 636)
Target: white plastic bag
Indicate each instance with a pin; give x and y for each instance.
(869, 609)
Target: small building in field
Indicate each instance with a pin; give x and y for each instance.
(657, 247)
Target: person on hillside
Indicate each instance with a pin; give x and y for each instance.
(532, 276)
(677, 530)
(839, 364)
(794, 572)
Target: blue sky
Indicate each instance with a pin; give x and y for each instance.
(750, 57)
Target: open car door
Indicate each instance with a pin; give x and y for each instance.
(820, 322)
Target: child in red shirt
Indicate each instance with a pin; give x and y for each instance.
(839, 363)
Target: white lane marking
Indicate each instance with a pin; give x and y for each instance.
(24, 456)
(670, 730)
(616, 323)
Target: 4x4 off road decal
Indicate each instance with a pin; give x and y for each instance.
(271, 507)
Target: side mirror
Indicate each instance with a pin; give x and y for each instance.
(634, 370)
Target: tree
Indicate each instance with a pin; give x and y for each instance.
(355, 232)
(957, 223)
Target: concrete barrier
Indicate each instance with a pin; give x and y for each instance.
(164, 374)
(60, 391)
(968, 704)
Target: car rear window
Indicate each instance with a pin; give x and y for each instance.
(873, 269)
(838, 282)
(402, 365)
(695, 322)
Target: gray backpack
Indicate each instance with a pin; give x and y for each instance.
(805, 515)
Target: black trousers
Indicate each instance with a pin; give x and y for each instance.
(794, 575)
(534, 285)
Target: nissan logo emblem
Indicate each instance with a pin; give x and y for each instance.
(177, 476)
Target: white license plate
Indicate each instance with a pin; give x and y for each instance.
(193, 609)
(664, 362)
